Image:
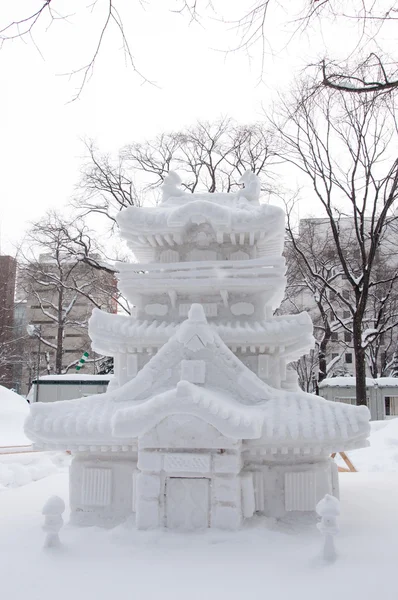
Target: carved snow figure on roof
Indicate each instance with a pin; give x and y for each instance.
(251, 186)
(203, 424)
(171, 186)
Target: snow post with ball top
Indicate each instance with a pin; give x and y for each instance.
(53, 521)
(328, 509)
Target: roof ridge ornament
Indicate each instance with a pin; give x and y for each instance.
(172, 186)
(251, 186)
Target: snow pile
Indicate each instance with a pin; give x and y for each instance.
(17, 470)
(382, 454)
(13, 411)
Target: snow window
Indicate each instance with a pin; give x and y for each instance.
(335, 337)
(334, 355)
(346, 314)
(348, 358)
(193, 371)
(300, 490)
(97, 486)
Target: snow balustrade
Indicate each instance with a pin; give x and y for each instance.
(381, 394)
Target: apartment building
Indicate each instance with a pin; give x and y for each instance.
(60, 296)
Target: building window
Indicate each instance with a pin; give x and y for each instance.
(334, 355)
(347, 336)
(348, 358)
(391, 403)
(346, 294)
(332, 295)
(346, 314)
(335, 336)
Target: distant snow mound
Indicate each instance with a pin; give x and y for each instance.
(13, 411)
(382, 454)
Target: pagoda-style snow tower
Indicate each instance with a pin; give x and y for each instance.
(203, 424)
(223, 251)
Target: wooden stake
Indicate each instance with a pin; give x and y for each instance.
(351, 468)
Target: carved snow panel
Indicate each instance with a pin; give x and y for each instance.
(157, 310)
(242, 308)
(263, 366)
(300, 490)
(248, 500)
(187, 503)
(169, 256)
(184, 462)
(239, 255)
(193, 371)
(199, 255)
(132, 365)
(97, 486)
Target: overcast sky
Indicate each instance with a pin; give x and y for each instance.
(41, 130)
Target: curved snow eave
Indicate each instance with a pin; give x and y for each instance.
(241, 218)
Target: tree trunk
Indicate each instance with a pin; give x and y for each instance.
(60, 334)
(360, 362)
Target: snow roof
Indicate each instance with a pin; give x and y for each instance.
(74, 377)
(295, 420)
(351, 382)
(232, 398)
(227, 212)
(291, 334)
(344, 382)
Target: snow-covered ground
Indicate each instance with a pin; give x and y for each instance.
(267, 559)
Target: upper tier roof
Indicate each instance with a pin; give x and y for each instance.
(238, 212)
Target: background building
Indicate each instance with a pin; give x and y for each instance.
(8, 266)
(60, 295)
(330, 300)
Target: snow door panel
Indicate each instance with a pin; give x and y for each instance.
(187, 503)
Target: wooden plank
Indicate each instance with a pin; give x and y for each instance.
(351, 468)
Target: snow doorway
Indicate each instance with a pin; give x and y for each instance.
(187, 503)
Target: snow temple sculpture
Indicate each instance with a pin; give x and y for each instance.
(203, 424)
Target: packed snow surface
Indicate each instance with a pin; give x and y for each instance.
(270, 559)
(13, 411)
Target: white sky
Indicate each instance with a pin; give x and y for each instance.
(41, 131)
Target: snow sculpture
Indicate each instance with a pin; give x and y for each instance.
(53, 521)
(203, 424)
(329, 509)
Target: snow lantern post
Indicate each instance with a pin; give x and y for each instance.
(53, 521)
(328, 509)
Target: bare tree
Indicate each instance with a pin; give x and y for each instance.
(212, 156)
(346, 148)
(377, 72)
(61, 289)
(105, 15)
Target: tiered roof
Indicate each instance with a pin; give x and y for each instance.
(231, 398)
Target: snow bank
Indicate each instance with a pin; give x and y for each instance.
(17, 470)
(13, 411)
(382, 454)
